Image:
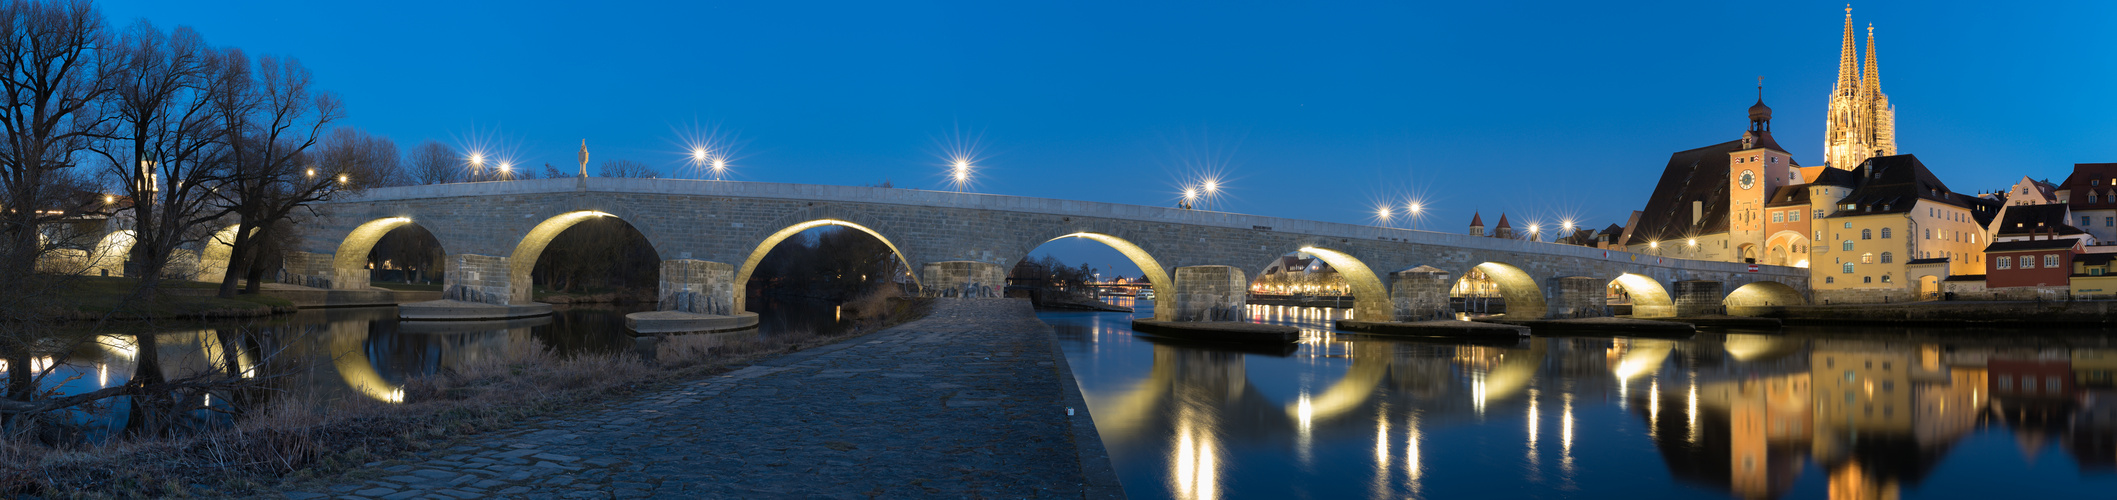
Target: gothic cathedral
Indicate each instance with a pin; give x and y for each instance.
(1861, 124)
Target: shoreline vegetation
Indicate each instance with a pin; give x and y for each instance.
(293, 440)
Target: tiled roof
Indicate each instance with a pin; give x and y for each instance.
(1697, 175)
(1893, 184)
(2031, 245)
(2024, 220)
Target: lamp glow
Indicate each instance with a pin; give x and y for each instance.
(1694, 242)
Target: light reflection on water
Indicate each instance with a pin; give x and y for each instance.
(323, 355)
(1808, 412)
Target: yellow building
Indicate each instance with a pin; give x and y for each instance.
(1899, 231)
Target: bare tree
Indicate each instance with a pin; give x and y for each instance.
(276, 119)
(626, 168)
(366, 160)
(433, 163)
(167, 144)
(551, 172)
(51, 80)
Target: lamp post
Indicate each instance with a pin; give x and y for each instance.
(1212, 189)
(1535, 232)
(1413, 210)
(477, 166)
(1382, 213)
(1190, 198)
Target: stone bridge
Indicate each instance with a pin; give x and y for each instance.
(712, 234)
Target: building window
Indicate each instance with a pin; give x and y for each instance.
(1885, 279)
(1866, 234)
(2084, 219)
(1885, 233)
(1866, 279)
(2028, 262)
(1830, 279)
(1848, 225)
(1819, 213)
(2003, 262)
(1848, 268)
(2094, 271)
(1887, 257)
(1778, 217)
(1866, 258)
(2050, 261)
(1793, 216)
(1929, 234)
(1848, 245)
(2109, 221)
(2051, 383)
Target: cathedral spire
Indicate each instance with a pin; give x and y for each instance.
(1848, 72)
(1873, 83)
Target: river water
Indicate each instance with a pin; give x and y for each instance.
(326, 354)
(1807, 412)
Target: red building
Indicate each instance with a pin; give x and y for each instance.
(2045, 262)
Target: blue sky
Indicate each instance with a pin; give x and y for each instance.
(1541, 110)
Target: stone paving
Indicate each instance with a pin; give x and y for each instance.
(969, 402)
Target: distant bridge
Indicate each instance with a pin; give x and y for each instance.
(712, 234)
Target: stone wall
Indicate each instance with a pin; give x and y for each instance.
(1578, 297)
(1210, 293)
(1699, 298)
(1420, 294)
(962, 279)
(729, 222)
(478, 278)
(697, 286)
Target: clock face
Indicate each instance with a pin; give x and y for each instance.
(1748, 179)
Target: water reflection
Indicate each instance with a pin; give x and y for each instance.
(324, 355)
(1807, 412)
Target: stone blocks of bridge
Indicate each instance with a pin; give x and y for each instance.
(962, 278)
(1699, 298)
(1209, 293)
(1420, 294)
(482, 279)
(1578, 297)
(697, 286)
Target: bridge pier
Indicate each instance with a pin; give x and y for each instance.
(1578, 297)
(1699, 298)
(1420, 294)
(697, 287)
(1209, 293)
(962, 278)
(483, 279)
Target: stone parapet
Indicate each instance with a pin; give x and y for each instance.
(1210, 293)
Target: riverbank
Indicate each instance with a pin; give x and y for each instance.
(1945, 313)
(295, 439)
(968, 401)
(94, 298)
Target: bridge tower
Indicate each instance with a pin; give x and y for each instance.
(1755, 171)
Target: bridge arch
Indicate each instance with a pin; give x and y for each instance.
(523, 261)
(1525, 298)
(763, 248)
(219, 249)
(349, 266)
(1156, 275)
(1649, 298)
(1761, 294)
(111, 253)
(1370, 297)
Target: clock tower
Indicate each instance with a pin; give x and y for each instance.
(1756, 169)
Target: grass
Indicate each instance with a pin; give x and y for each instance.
(95, 297)
(305, 444)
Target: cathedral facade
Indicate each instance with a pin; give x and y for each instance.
(1860, 124)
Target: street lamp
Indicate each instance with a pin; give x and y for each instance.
(1190, 198)
(477, 165)
(1382, 212)
(959, 173)
(1534, 230)
(506, 170)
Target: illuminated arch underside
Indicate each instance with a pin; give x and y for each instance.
(1524, 298)
(352, 256)
(1370, 296)
(1764, 294)
(1647, 296)
(1156, 275)
(742, 275)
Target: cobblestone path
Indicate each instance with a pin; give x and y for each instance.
(965, 403)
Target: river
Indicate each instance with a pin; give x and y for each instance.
(1807, 412)
(325, 354)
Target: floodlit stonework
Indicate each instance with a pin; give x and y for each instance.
(489, 230)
